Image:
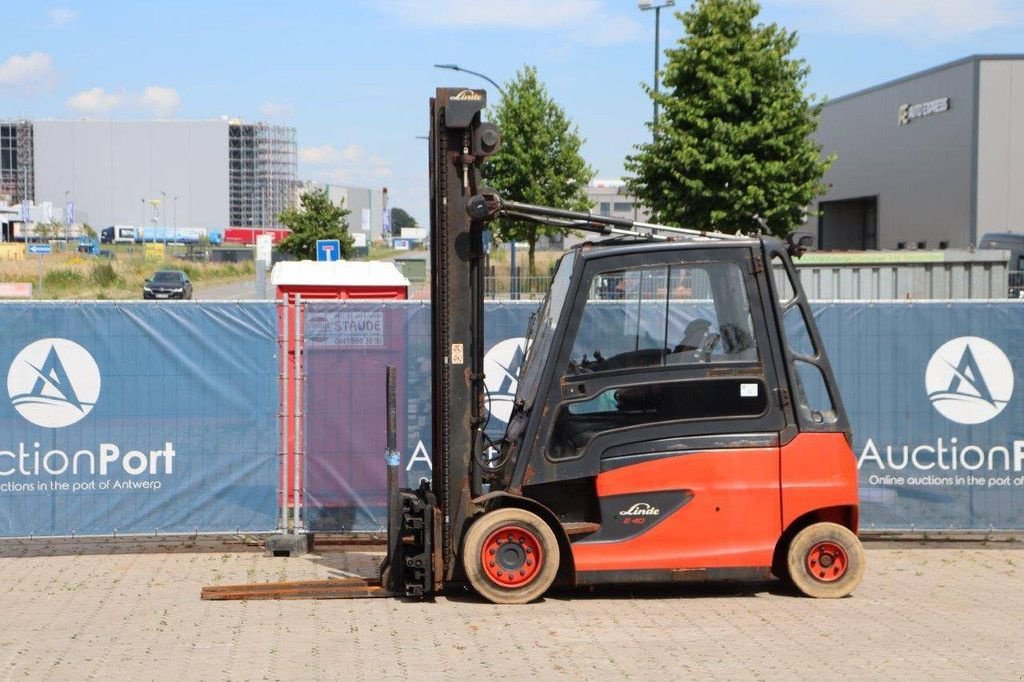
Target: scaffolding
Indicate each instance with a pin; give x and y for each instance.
(17, 168)
(263, 161)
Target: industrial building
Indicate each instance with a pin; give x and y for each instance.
(934, 159)
(366, 206)
(212, 174)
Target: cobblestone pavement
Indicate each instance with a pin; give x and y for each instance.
(922, 612)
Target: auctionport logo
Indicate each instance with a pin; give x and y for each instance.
(969, 380)
(53, 383)
(501, 376)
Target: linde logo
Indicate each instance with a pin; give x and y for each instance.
(969, 380)
(53, 383)
(640, 509)
(468, 95)
(501, 376)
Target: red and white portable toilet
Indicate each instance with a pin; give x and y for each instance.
(322, 281)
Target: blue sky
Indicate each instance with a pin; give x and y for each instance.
(354, 76)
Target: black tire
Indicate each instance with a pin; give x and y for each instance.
(825, 561)
(512, 557)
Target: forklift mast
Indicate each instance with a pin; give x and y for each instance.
(459, 142)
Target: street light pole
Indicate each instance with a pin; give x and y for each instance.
(513, 278)
(67, 218)
(163, 204)
(456, 67)
(176, 197)
(644, 6)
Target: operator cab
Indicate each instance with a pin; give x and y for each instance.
(647, 342)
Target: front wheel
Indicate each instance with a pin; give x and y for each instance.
(826, 561)
(510, 556)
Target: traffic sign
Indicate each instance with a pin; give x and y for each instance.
(328, 249)
(41, 249)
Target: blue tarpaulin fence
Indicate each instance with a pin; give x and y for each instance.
(134, 418)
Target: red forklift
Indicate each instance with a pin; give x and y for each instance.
(676, 417)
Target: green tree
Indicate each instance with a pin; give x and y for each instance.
(733, 139)
(316, 218)
(88, 231)
(401, 218)
(539, 161)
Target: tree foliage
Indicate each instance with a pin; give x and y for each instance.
(316, 218)
(400, 218)
(539, 161)
(733, 136)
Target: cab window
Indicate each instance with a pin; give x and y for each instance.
(666, 315)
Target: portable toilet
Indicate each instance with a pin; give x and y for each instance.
(320, 281)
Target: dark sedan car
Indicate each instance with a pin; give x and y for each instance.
(168, 284)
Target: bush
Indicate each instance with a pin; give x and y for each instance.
(63, 279)
(104, 275)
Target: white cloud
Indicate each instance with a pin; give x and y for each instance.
(96, 101)
(159, 100)
(915, 19)
(318, 156)
(584, 21)
(276, 110)
(29, 70)
(60, 16)
(352, 165)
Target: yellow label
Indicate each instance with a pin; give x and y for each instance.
(155, 251)
(12, 252)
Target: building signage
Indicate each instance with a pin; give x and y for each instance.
(908, 112)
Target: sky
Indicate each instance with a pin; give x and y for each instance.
(354, 76)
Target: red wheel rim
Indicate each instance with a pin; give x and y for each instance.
(511, 556)
(827, 562)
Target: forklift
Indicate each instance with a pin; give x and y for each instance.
(676, 417)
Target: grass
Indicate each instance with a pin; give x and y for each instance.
(82, 277)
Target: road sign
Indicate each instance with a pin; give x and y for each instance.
(41, 249)
(328, 249)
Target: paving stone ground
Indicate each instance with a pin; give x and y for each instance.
(942, 613)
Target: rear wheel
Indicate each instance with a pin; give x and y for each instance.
(826, 561)
(510, 556)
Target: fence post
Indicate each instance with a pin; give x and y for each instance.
(300, 377)
(284, 388)
(392, 458)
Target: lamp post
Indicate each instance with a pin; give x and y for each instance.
(176, 197)
(513, 280)
(67, 218)
(163, 204)
(644, 6)
(456, 67)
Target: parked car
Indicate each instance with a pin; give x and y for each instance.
(167, 284)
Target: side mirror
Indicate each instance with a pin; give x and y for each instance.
(799, 242)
